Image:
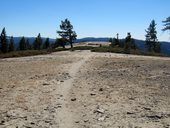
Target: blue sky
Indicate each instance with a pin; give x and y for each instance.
(90, 18)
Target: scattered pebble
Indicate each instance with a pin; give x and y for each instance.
(99, 111)
(101, 118)
(73, 99)
(101, 89)
(45, 84)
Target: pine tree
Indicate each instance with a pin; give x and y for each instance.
(28, 45)
(116, 40)
(38, 42)
(152, 43)
(166, 24)
(129, 44)
(133, 45)
(60, 42)
(111, 41)
(3, 42)
(67, 32)
(22, 44)
(11, 44)
(35, 44)
(46, 44)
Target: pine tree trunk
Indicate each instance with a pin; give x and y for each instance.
(71, 44)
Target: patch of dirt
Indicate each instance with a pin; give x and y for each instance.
(81, 89)
(122, 92)
(33, 89)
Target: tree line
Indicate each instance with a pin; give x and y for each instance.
(68, 35)
(128, 43)
(7, 44)
(151, 41)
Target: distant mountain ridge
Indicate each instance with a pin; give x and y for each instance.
(165, 46)
(93, 39)
(87, 39)
(31, 40)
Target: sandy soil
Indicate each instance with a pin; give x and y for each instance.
(81, 89)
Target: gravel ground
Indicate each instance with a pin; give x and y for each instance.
(81, 89)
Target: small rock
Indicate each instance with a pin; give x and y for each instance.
(101, 89)
(61, 81)
(26, 127)
(131, 98)
(47, 121)
(147, 108)
(58, 106)
(73, 99)
(101, 118)
(129, 113)
(44, 84)
(86, 120)
(2, 122)
(77, 122)
(99, 111)
(155, 117)
(32, 123)
(92, 94)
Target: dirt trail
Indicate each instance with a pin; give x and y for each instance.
(65, 115)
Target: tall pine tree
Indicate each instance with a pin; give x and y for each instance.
(67, 32)
(46, 44)
(38, 42)
(11, 44)
(22, 44)
(28, 45)
(3, 42)
(152, 43)
(128, 43)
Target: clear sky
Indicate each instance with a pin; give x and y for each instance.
(90, 18)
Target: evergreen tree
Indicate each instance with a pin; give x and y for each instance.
(152, 43)
(28, 45)
(46, 44)
(22, 44)
(38, 42)
(133, 45)
(129, 43)
(157, 47)
(35, 44)
(11, 44)
(166, 24)
(3, 42)
(61, 42)
(67, 32)
(111, 40)
(115, 41)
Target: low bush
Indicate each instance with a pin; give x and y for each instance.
(23, 53)
(41, 52)
(83, 48)
(121, 50)
(93, 49)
